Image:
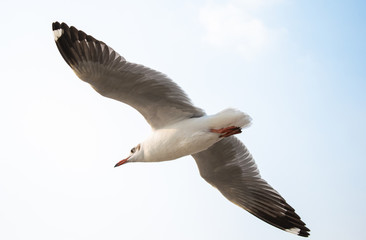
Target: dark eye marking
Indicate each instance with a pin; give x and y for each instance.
(133, 150)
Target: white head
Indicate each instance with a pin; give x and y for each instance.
(136, 155)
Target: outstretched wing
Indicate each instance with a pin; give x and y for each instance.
(154, 95)
(228, 166)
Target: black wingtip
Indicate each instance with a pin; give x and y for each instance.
(58, 30)
(55, 26)
(303, 232)
(72, 32)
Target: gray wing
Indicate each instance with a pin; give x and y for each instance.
(154, 95)
(228, 166)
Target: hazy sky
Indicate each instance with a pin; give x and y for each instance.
(298, 68)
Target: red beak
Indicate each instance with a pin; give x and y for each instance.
(121, 162)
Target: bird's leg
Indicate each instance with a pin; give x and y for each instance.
(226, 132)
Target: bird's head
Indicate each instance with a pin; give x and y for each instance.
(135, 156)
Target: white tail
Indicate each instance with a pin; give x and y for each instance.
(229, 117)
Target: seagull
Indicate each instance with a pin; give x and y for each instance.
(178, 127)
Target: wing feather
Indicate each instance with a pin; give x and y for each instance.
(154, 95)
(228, 166)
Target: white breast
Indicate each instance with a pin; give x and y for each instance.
(178, 140)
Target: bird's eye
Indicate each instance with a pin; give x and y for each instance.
(133, 150)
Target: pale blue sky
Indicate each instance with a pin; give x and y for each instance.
(298, 68)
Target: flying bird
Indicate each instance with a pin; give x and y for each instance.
(178, 127)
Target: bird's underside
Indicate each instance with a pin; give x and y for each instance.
(227, 165)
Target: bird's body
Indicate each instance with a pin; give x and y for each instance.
(189, 136)
(178, 127)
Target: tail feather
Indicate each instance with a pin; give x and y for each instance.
(230, 117)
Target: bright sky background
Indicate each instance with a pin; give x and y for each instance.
(298, 68)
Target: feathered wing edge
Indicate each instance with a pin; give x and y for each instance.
(228, 166)
(153, 94)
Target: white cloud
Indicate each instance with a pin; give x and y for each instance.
(234, 26)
